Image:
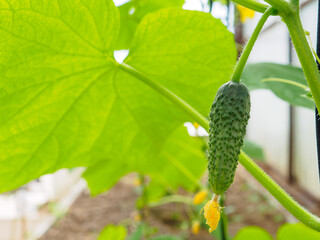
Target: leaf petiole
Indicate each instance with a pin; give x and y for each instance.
(285, 7)
(246, 52)
(253, 5)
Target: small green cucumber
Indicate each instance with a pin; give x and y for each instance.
(229, 117)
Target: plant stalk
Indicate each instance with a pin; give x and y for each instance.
(246, 52)
(223, 220)
(284, 198)
(286, 8)
(194, 114)
(253, 5)
(305, 55)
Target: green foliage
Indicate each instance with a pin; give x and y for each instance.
(229, 117)
(137, 234)
(151, 192)
(253, 233)
(141, 232)
(254, 77)
(132, 12)
(253, 150)
(113, 232)
(65, 102)
(287, 231)
(297, 231)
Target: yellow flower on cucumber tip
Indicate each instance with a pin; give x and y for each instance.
(245, 13)
(211, 212)
(195, 227)
(200, 197)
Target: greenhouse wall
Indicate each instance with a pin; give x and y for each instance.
(269, 123)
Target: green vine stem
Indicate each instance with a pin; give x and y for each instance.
(286, 8)
(223, 225)
(253, 5)
(304, 53)
(291, 205)
(246, 52)
(289, 11)
(167, 93)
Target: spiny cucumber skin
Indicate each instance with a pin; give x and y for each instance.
(229, 117)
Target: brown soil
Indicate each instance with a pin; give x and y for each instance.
(247, 207)
(88, 215)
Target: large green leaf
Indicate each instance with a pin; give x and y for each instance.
(165, 59)
(65, 103)
(132, 12)
(180, 162)
(255, 76)
(55, 76)
(192, 54)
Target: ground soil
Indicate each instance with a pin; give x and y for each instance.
(88, 215)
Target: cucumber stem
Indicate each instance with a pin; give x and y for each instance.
(223, 226)
(216, 198)
(246, 52)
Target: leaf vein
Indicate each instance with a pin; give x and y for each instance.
(58, 122)
(46, 87)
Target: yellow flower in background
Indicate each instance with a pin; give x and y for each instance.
(195, 227)
(137, 182)
(245, 13)
(200, 197)
(137, 217)
(212, 214)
